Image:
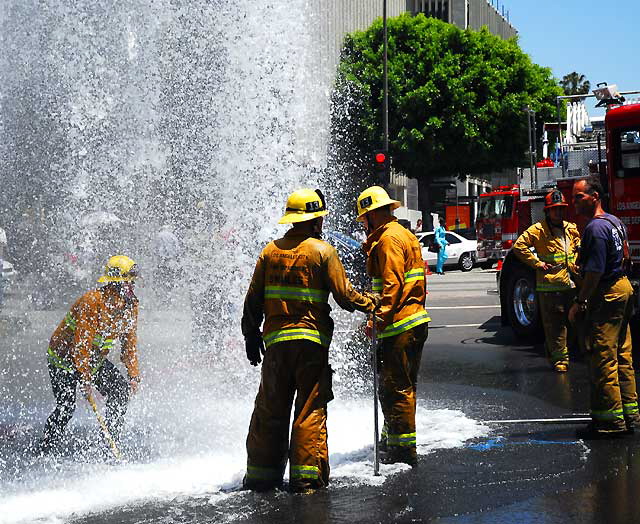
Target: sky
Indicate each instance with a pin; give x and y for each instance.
(597, 38)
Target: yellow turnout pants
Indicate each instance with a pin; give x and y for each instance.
(554, 310)
(297, 368)
(398, 364)
(614, 400)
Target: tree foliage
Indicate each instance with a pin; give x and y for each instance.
(456, 97)
(575, 84)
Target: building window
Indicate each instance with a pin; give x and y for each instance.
(434, 9)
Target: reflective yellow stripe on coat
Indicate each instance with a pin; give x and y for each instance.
(284, 335)
(410, 276)
(405, 324)
(296, 293)
(67, 366)
(414, 274)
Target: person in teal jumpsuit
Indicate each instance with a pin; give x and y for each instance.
(442, 243)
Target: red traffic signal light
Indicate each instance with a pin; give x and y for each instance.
(381, 164)
(381, 161)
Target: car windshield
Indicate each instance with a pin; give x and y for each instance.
(495, 206)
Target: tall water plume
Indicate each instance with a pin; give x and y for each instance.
(200, 115)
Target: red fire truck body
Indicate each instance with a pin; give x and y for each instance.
(497, 222)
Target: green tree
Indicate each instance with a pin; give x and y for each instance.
(575, 84)
(456, 99)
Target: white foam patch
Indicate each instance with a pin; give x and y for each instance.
(80, 489)
(353, 464)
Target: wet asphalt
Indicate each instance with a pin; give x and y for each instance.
(519, 473)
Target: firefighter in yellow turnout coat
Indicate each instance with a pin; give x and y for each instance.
(290, 288)
(556, 244)
(396, 266)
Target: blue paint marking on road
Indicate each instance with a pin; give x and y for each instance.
(561, 442)
(500, 443)
(489, 444)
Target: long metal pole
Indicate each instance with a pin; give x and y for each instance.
(105, 430)
(535, 145)
(530, 154)
(374, 361)
(567, 420)
(560, 135)
(385, 79)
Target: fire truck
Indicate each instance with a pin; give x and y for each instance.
(512, 209)
(497, 223)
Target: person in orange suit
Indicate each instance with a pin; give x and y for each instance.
(78, 351)
(394, 261)
(290, 289)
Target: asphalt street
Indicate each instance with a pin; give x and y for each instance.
(514, 473)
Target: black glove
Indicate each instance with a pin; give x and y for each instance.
(255, 347)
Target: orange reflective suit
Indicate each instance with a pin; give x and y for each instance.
(396, 266)
(78, 352)
(88, 332)
(558, 247)
(290, 288)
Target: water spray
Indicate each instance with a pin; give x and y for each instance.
(105, 430)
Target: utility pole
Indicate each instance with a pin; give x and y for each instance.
(531, 117)
(385, 78)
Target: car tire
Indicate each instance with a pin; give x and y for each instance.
(466, 262)
(522, 304)
(488, 264)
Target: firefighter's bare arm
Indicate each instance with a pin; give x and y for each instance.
(522, 249)
(391, 259)
(129, 351)
(343, 292)
(253, 314)
(574, 241)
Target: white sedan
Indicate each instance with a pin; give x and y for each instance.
(461, 251)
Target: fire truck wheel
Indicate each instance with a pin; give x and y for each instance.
(466, 262)
(522, 305)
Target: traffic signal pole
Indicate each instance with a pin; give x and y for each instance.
(385, 85)
(385, 79)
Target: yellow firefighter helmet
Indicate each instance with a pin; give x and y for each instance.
(372, 198)
(119, 268)
(303, 205)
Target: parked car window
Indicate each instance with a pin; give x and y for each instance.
(426, 239)
(452, 239)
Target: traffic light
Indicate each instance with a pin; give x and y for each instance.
(381, 163)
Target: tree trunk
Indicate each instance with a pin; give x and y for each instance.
(425, 203)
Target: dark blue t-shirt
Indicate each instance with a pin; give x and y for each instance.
(601, 248)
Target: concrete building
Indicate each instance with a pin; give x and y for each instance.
(467, 14)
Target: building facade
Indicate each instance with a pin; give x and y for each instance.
(467, 14)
